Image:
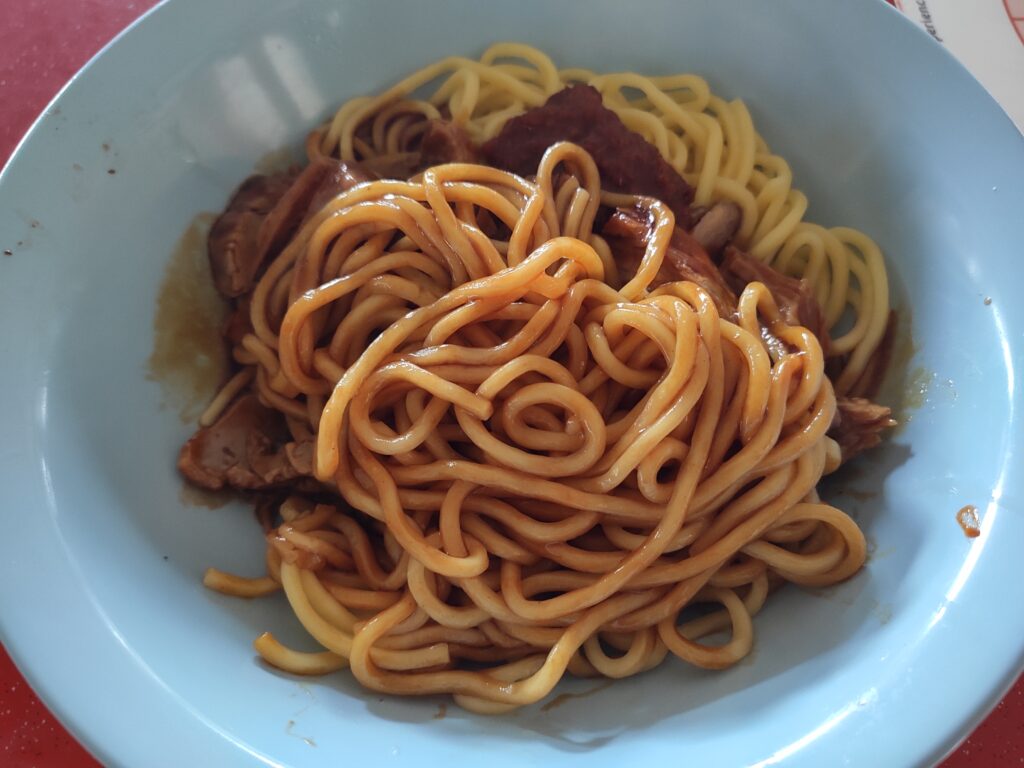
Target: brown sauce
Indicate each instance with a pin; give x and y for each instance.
(188, 359)
(894, 380)
(194, 496)
(861, 494)
(918, 387)
(969, 521)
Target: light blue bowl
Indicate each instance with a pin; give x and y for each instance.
(101, 603)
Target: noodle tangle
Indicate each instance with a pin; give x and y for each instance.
(711, 142)
(547, 467)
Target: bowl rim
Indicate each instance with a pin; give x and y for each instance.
(104, 743)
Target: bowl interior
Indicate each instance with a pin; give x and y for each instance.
(900, 143)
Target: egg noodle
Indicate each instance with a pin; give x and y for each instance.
(711, 142)
(545, 466)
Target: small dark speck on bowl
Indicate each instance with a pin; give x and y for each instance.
(35, 224)
(76, 167)
(8, 252)
(111, 171)
(988, 301)
(105, 147)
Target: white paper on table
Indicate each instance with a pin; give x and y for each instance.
(987, 36)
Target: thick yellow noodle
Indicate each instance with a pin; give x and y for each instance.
(711, 142)
(544, 467)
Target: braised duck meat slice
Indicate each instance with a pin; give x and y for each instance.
(321, 181)
(626, 160)
(248, 448)
(793, 296)
(265, 213)
(628, 232)
(446, 142)
(233, 242)
(859, 425)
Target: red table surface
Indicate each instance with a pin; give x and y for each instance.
(43, 43)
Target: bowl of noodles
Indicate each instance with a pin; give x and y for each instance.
(555, 386)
